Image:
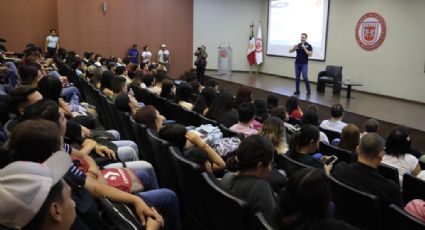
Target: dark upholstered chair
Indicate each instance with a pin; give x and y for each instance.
(399, 219)
(332, 75)
(413, 188)
(354, 206)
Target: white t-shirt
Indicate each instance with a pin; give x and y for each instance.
(404, 164)
(146, 55)
(323, 137)
(333, 125)
(52, 41)
(161, 54)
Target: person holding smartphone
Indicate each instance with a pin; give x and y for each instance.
(303, 143)
(304, 51)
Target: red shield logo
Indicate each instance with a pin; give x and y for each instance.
(258, 45)
(370, 31)
(223, 53)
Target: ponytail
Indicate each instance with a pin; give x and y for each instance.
(303, 137)
(294, 143)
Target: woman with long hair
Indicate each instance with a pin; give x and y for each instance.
(305, 203)
(253, 161)
(274, 129)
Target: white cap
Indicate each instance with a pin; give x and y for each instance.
(24, 187)
(163, 46)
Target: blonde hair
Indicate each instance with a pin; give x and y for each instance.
(274, 129)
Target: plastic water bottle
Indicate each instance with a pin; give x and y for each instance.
(131, 92)
(74, 102)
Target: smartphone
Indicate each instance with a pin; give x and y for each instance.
(331, 160)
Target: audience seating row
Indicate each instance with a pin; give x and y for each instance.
(204, 204)
(365, 210)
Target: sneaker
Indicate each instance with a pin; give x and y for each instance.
(297, 92)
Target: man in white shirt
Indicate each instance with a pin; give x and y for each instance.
(335, 123)
(52, 43)
(164, 57)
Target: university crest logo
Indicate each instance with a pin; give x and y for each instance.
(370, 31)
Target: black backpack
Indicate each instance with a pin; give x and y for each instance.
(117, 216)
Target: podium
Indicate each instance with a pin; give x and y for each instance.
(224, 59)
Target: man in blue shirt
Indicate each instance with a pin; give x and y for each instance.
(133, 54)
(304, 50)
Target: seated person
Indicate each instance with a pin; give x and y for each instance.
(106, 83)
(397, 153)
(204, 100)
(168, 90)
(350, 138)
(151, 117)
(304, 143)
(254, 158)
(293, 108)
(178, 136)
(305, 203)
(45, 137)
(246, 116)
(335, 123)
(222, 110)
(159, 77)
(212, 84)
(363, 174)
(35, 196)
(370, 126)
(118, 85)
(312, 117)
(184, 96)
(274, 129)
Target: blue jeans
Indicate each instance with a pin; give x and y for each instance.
(301, 68)
(69, 91)
(133, 156)
(148, 182)
(167, 204)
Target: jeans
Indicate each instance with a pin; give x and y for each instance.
(127, 154)
(147, 181)
(69, 91)
(166, 203)
(301, 68)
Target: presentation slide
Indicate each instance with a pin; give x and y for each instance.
(289, 18)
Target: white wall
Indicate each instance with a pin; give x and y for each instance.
(217, 21)
(395, 69)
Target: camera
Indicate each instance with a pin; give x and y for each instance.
(199, 48)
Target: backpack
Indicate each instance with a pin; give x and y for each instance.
(117, 216)
(226, 145)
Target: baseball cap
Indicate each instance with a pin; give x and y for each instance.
(163, 46)
(24, 187)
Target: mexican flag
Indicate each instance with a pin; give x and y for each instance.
(251, 47)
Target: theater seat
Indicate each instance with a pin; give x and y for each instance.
(331, 75)
(354, 206)
(399, 219)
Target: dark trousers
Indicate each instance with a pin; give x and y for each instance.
(50, 52)
(200, 73)
(301, 68)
